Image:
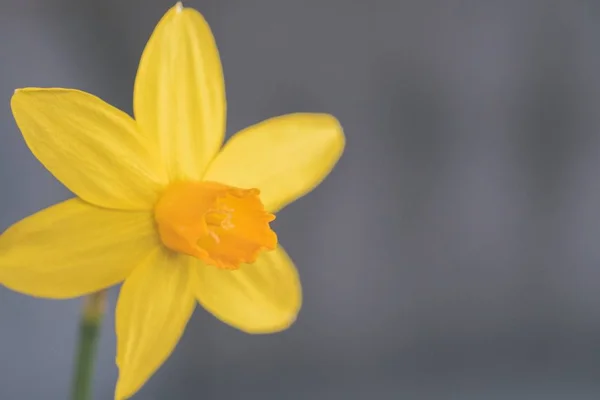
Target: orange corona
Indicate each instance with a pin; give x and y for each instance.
(221, 225)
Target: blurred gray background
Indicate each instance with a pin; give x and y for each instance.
(454, 253)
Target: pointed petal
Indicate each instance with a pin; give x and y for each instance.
(154, 306)
(262, 297)
(179, 96)
(74, 248)
(91, 147)
(285, 157)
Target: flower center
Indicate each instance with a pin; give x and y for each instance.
(221, 225)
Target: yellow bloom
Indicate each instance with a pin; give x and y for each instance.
(160, 206)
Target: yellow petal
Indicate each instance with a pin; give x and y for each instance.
(285, 157)
(262, 297)
(179, 95)
(91, 147)
(74, 248)
(154, 306)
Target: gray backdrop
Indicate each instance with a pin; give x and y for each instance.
(453, 253)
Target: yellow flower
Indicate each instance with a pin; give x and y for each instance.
(160, 206)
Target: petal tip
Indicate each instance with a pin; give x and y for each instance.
(283, 325)
(18, 91)
(27, 89)
(337, 131)
(120, 393)
(333, 121)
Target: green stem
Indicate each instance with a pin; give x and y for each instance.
(91, 318)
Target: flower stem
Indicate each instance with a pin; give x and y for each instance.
(91, 318)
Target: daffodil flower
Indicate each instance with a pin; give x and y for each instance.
(160, 205)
